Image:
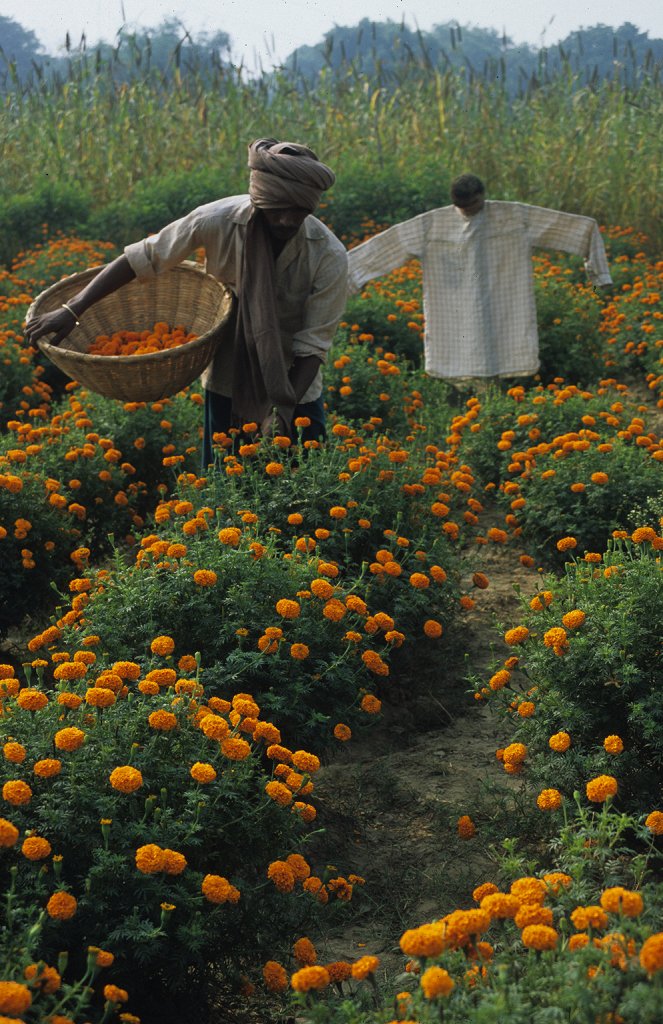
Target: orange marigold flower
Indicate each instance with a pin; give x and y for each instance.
(126, 779)
(288, 609)
(549, 800)
(230, 536)
(162, 645)
(274, 469)
(43, 977)
(501, 904)
(364, 966)
(599, 789)
(613, 744)
(599, 478)
(517, 635)
(419, 580)
(533, 913)
(529, 889)
(480, 580)
(69, 739)
(274, 976)
(644, 534)
(589, 917)
(99, 697)
(651, 953)
(322, 589)
(375, 664)
(70, 670)
(202, 772)
(16, 792)
(466, 827)
(560, 742)
(654, 822)
(36, 848)
(526, 709)
(150, 859)
(304, 951)
(539, 936)
(8, 834)
(61, 906)
(573, 619)
(617, 900)
(281, 874)
(371, 704)
(515, 753)
(566, 543)
(113, 994)
(15, 999)
(500, 679)
(556, 638)
(162, 721)
(435, 982)
(485, 889)
(235, 748)
(310, 978)
(342, 732)
(14, 752)
(424, 941)
(174, 862)
(279, 793)
(217, 889)
(204, 577)
(299, 652)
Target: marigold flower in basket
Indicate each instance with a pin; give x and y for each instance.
(599, 789)
(61, 906)
(435, 982)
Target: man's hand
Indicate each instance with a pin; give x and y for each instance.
(274, 426)
(59, 323)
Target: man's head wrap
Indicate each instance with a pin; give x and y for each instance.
(285, 174)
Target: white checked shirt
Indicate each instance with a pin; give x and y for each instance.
(311, 278)
(478, 281)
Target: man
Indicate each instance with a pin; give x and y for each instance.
(288, 272)
(478, 283)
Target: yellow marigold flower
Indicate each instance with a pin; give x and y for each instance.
(16, 792)
(424, 941)
(288, 609)
(515, 753)
(364, 966)
(15, 998)
(126, 779)
(99, 697)
(591, 916)
(485, 889)
(500, 904)
(549, 800)
(529, 889)
(69, 739)
(466, 827)
(113, 994)
(651, 953)
(573, 619)
(342, 732)
(202, 772)
(539, 936)
(150, 859)
(14, 752)
(435, 982)
(533, 913)
(61, 906)
(279, 793)
(599, 789)
(217, 889)
(618, 900)
(654, 822)
(234, 748)
(204, 577)
(162, 645)
(517, 635)
(281, 874)
(274, 976)
(162, 721)
(560, 742)
(36, 848)
(613, 745)
(34, 700)
(304, 951)
(310, 978)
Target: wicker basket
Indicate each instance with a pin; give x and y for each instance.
(186, 295)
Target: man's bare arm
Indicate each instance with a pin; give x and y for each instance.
(60, 322)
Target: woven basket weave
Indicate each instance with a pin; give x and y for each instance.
(185, 295)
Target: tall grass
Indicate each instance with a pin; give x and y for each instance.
(594, 148)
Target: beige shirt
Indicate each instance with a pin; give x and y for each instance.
(478, 281)
(311, 278)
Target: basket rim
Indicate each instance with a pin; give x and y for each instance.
(186, 266)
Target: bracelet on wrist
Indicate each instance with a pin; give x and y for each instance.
(70, 310)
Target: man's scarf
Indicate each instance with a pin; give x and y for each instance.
(283, 174)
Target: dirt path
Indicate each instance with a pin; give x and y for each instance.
(391, 799)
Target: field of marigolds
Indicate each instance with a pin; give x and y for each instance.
(190, 663)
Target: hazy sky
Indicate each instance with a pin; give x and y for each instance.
(272, 29)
